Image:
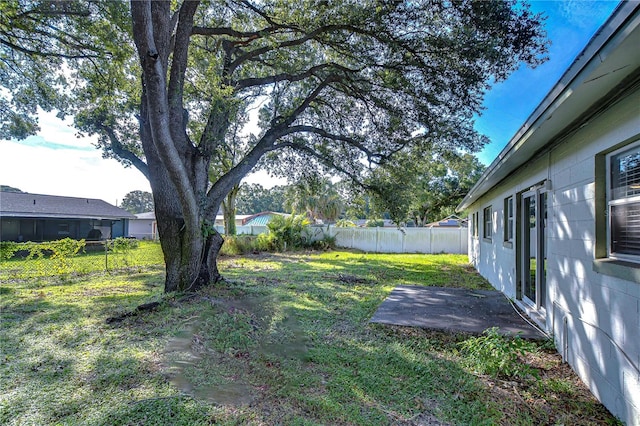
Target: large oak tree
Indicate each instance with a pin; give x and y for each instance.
(346, 83)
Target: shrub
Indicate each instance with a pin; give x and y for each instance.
(123, 245)
(498, 355)
(327, 242)
(345, 223)
(285, 232)
(238, 244)
(8, 249)
(59, 254)
(374, 223)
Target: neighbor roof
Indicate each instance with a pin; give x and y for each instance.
(450, 221)
(146, 216)
(608, 64)
(52, 206)
(260, 219)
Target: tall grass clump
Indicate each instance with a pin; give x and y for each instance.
(235, 245)
(497, 355)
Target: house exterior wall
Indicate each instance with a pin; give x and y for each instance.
(142, 229)
(593, 316)
(38, 229)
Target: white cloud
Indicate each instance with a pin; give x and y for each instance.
(581, 12)
(56, 162)
(263, 178)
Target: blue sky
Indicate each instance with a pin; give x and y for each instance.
(570, 25)
(56, 162)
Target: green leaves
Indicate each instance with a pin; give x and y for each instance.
(137, 202)
(423, 185)
(498, 355)
(52, 257)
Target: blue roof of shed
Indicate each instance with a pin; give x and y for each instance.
(260, 220)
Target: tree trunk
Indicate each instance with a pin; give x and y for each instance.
(190, 262)
(178, 168)
(229, 208)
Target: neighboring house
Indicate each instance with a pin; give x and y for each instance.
(451, 221)
(555, 219)
(238, 219)
(144, 226)
(35, 217)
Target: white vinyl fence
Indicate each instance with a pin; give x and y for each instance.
(246, 230)
(384, 240)
(393, 240)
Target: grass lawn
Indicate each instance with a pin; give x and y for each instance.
(148, 254)
(285, 340)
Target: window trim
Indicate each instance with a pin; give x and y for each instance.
(487, 223)
(613, 202)
(509, 221)
(474, 225)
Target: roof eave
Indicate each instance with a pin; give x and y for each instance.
(619, 27)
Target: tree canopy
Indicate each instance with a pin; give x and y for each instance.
(345, 84)
(316, 197)
(7, 188)
(137, 202)
(255, 198)
(423, 186)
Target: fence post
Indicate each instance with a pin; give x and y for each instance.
(106, 255)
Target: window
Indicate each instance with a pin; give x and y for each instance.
(623, 203)
(474, 225)
(488, 223)
(63, 229)
(508, 219)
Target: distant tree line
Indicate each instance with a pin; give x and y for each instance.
(415, 189)
(7, 188)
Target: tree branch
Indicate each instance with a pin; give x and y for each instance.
(305, 104)
(121, 151)
(325, 160)
(289, 43)
(252, 35)
(178, 70)
(260, 81)
(44, 54)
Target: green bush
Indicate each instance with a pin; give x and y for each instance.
(238, 244)
(497, 355)
(327, 242)
(121, 250)
(285, 233)
(47, 257)
(62, 251)
(374, 223)
(345, 223)
(8, 249)
(123, 245)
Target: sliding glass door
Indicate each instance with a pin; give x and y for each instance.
(533, 253)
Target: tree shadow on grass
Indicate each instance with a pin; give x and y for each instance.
(58, 359)
(313, 362)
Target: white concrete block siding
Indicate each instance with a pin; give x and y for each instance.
(592, 313)
(603, 312)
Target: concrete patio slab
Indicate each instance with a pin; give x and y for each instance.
(453, 309)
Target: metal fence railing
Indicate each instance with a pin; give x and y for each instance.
(71, 257)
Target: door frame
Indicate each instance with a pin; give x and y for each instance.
(523, 244)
